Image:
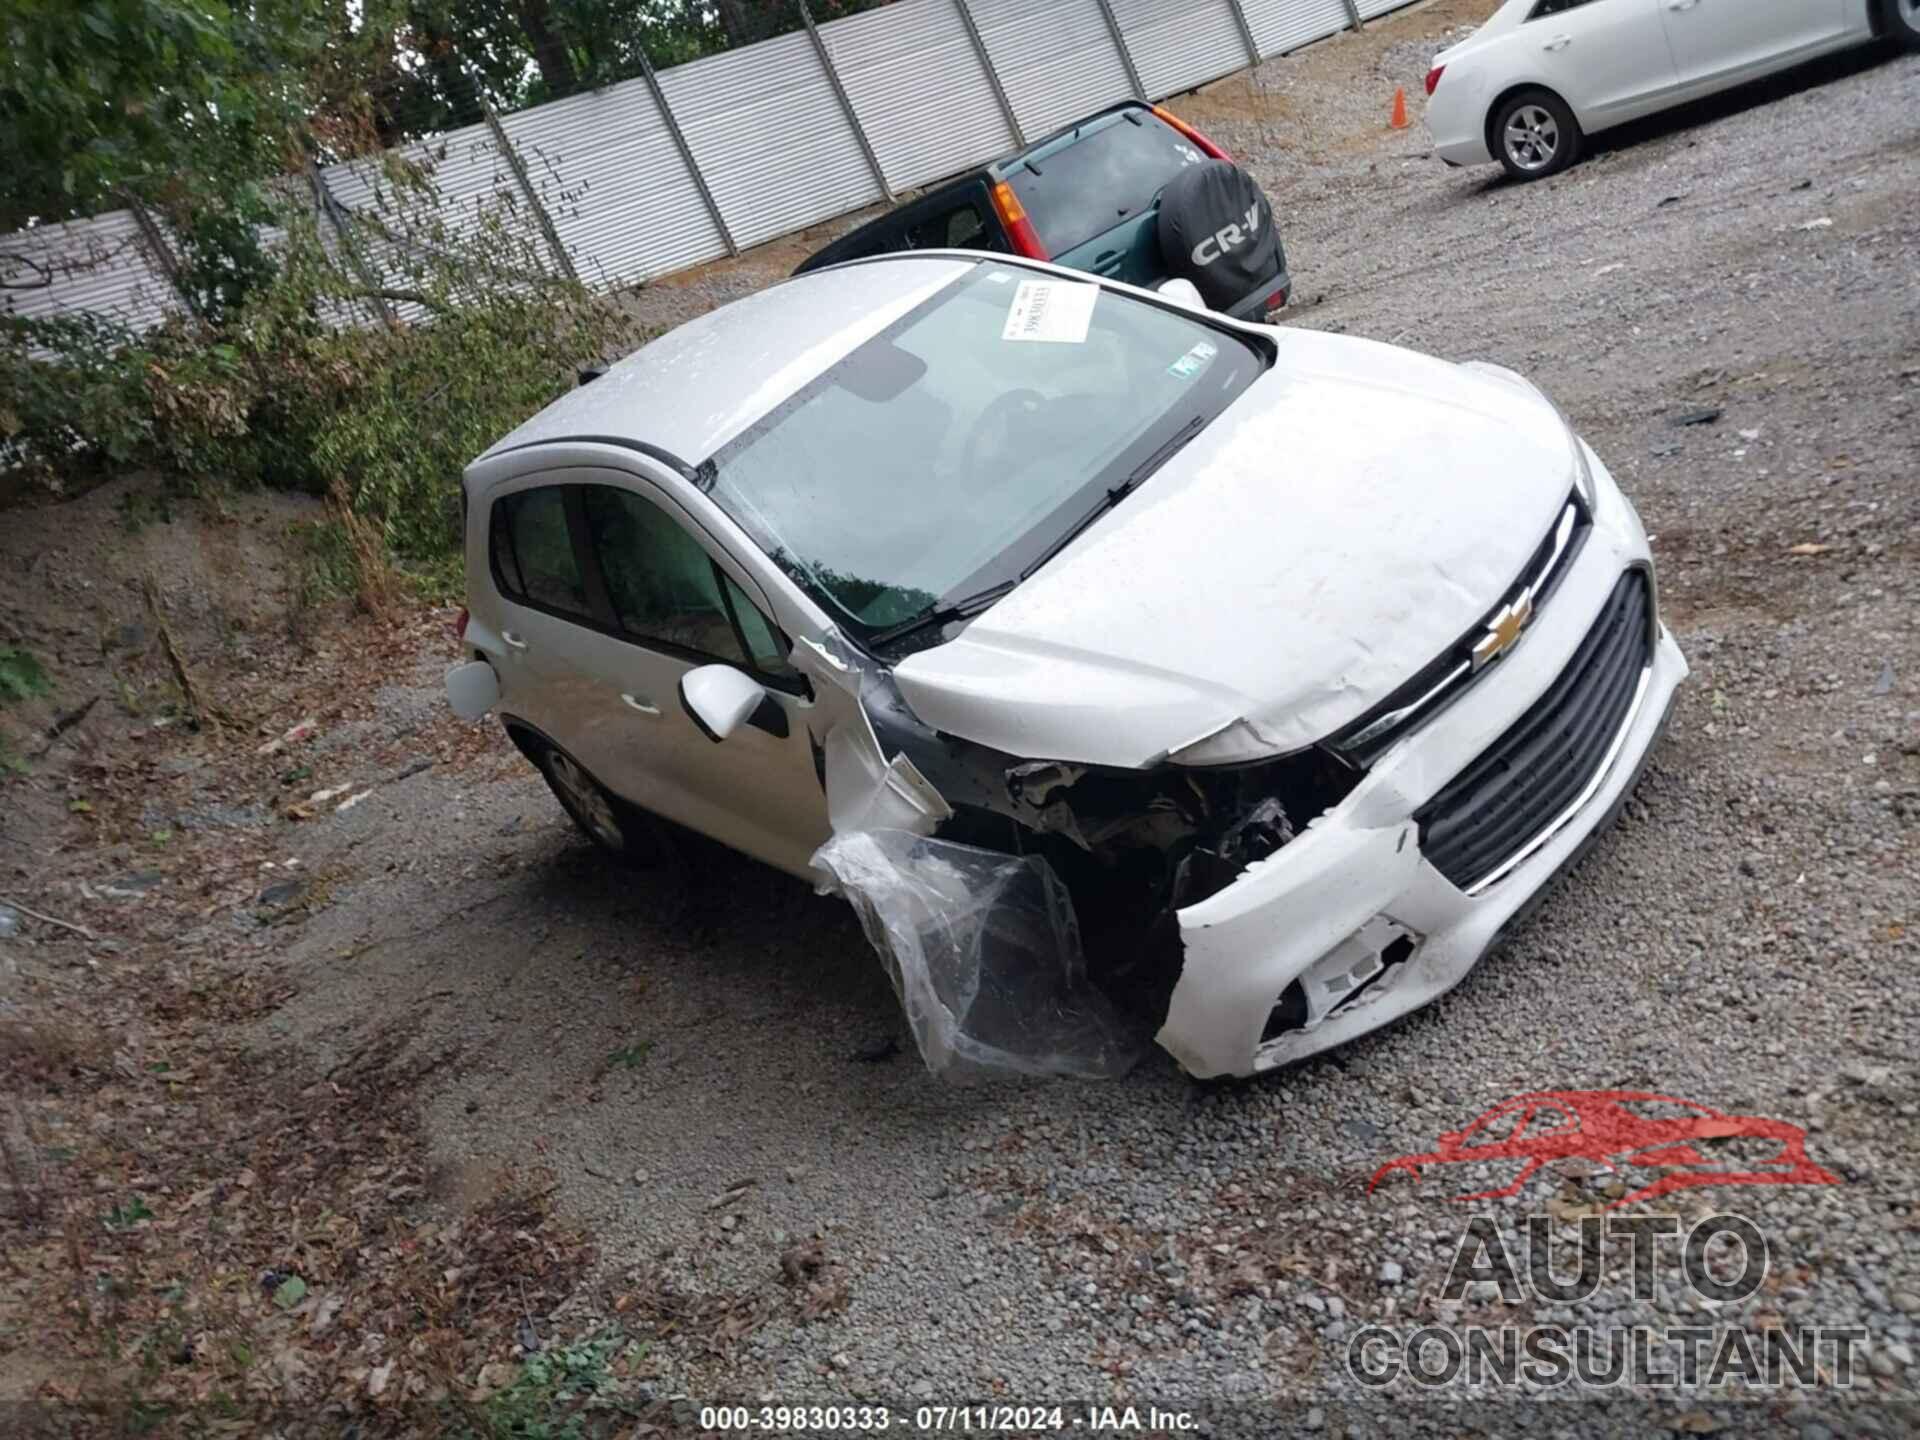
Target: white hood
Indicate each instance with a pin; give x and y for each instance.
(1343, 523)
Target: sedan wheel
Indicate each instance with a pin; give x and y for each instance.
(1535, 135)
(1906, 22)
(1533, 139)
(590, 806)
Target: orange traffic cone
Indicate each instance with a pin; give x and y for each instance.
(1399, 121)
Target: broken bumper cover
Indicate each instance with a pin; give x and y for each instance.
(1351, 924)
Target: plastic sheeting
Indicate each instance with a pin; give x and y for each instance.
(984, 952)
(982, 947)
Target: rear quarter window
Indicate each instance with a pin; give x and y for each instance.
(1101, 179)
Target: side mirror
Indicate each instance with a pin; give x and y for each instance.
(720, 699)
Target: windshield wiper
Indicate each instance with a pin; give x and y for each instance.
(945, 613)
(1116, 493)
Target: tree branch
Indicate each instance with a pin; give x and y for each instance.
(45, 273)
(402, 297)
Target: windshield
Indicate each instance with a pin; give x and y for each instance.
(948, 452)
(1099, 180)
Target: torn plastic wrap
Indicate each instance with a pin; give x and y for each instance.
(982, 947)
(984, 952)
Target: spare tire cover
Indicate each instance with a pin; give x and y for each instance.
(1216, 229)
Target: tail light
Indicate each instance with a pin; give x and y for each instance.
(1277, 301)
(1201, 142)
(1433, 77)
(1026, 240)
(460, 623)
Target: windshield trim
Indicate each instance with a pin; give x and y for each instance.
(1031, 551)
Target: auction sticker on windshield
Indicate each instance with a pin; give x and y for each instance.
(1194, 361)
(1055, 311)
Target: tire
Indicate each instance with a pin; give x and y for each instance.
(1903, 22)
(588, 803)
(1535, 135)
(621, 831)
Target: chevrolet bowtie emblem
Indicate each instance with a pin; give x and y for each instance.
(1503, 631)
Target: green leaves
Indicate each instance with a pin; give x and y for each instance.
(125, 1217)
(630, 1057)
(162, 98)
(22, 677)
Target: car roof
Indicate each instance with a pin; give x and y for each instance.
(683, 396)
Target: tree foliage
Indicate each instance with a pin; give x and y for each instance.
(441, 61)
(167, 99)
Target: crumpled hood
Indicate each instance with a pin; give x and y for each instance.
(1351, 516)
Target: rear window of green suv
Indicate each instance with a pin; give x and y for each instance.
(1113, 170)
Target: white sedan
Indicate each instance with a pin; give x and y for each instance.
(1528, 86)
(1281, 670)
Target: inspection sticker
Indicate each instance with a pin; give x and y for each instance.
(1058, 311)
(1194, 361)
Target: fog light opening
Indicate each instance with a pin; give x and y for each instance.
(1338, 979)
(1289, 1014)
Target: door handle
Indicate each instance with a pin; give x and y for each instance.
(1677, 5)
(513, 640)
(1559, 42)
(634, 702)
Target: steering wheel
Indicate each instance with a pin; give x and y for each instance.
(993, 420)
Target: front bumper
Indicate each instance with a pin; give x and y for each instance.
(1355, 884)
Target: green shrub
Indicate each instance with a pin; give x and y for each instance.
(296, 386)
(22, 677)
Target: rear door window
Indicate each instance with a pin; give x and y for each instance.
(1101, 179)
(533, 556)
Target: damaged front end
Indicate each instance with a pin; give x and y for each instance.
(1026, 910)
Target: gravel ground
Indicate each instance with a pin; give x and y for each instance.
(700, 1051)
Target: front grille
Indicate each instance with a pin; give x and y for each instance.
(1525, 785)
(1453, 673)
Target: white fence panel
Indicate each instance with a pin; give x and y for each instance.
(1370, 9)
(1178, 44)
(605, 167)
(98, 265)
(766, 129)
(467, 168)
(1282, 25)
(1056, 61)
(919, 89)
(768, 133)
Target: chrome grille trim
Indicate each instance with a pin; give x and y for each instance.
(1453, 673)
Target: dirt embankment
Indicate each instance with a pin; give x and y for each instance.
(202, 1227)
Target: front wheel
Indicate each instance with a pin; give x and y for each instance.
(1535, 134)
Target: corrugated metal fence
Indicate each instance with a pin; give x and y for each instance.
(670, 169)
